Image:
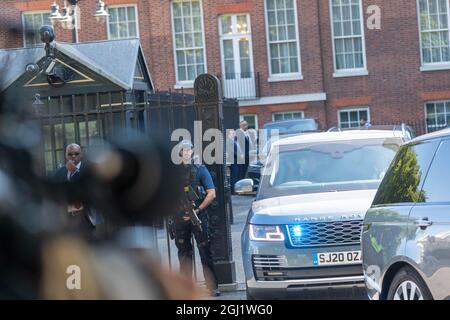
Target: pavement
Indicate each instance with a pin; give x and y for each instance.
(241, 206)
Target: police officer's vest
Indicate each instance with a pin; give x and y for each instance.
(191, 179)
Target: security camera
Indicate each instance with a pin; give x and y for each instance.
(49, 64)
(47, 34)
(59, 76)
(32, 69)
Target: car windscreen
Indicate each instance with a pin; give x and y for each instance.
(327, 167)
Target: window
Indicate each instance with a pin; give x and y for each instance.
(438, 115)
(237, 57)
(404, 179)
(435, 188)
(283, 44)
(434, 31)
(277, 116)
(348, 35)
(122, 22)
(188, 40)
(86, 131)
(323, 167)
(32, 22)
(353, 118)
(236, 52)
(251, 119)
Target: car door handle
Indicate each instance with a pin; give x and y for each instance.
(423, 223)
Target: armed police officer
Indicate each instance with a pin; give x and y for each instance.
(199, 193)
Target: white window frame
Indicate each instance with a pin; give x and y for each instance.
(355, 72)
(188, 84)
(136, 11)
(284, 76)
(236, 36)
(302, 113)
(23, 26)
(353, 109)
(433, 65)
(445, 107)
(241, 118)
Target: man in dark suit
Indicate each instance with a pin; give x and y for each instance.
(234, 157)
(81, 218)
(246, 145)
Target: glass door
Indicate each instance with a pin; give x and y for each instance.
(237, 58)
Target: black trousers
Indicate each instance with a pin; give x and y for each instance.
(81, 225)
(183, 232)
(242, 171)
(234, 175)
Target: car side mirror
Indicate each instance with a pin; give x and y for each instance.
(245, 187)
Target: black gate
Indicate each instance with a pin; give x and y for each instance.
(85, 119)
(89, 119)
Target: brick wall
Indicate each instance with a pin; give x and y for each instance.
(10, 25)
(395, 89)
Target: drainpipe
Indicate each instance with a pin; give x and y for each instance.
(322, 60)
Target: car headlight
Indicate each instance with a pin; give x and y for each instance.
(266, 233)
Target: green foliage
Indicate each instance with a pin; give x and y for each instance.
(404, 186)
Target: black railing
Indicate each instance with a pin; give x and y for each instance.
(434, 125)
(244, 85)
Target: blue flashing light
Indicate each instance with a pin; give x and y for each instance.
(297, 231)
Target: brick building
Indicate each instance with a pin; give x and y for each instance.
(283, 59)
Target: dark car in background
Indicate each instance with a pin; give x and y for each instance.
(294, 126)
(287, 128)
(406, 232)
(276, 130)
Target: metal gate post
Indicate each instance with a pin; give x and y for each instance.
(209, 110)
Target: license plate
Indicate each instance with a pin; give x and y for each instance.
(336, 258)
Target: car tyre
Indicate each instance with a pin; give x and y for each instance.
(408, 285)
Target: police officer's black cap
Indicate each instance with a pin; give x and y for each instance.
(186, 144)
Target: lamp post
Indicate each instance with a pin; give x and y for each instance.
(69, 16)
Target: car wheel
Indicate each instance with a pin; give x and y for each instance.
(408, 285)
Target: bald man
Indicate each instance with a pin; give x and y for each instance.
(71, 171)
(80, 218)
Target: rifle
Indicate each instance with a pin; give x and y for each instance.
(194, 217)
(193, 197)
